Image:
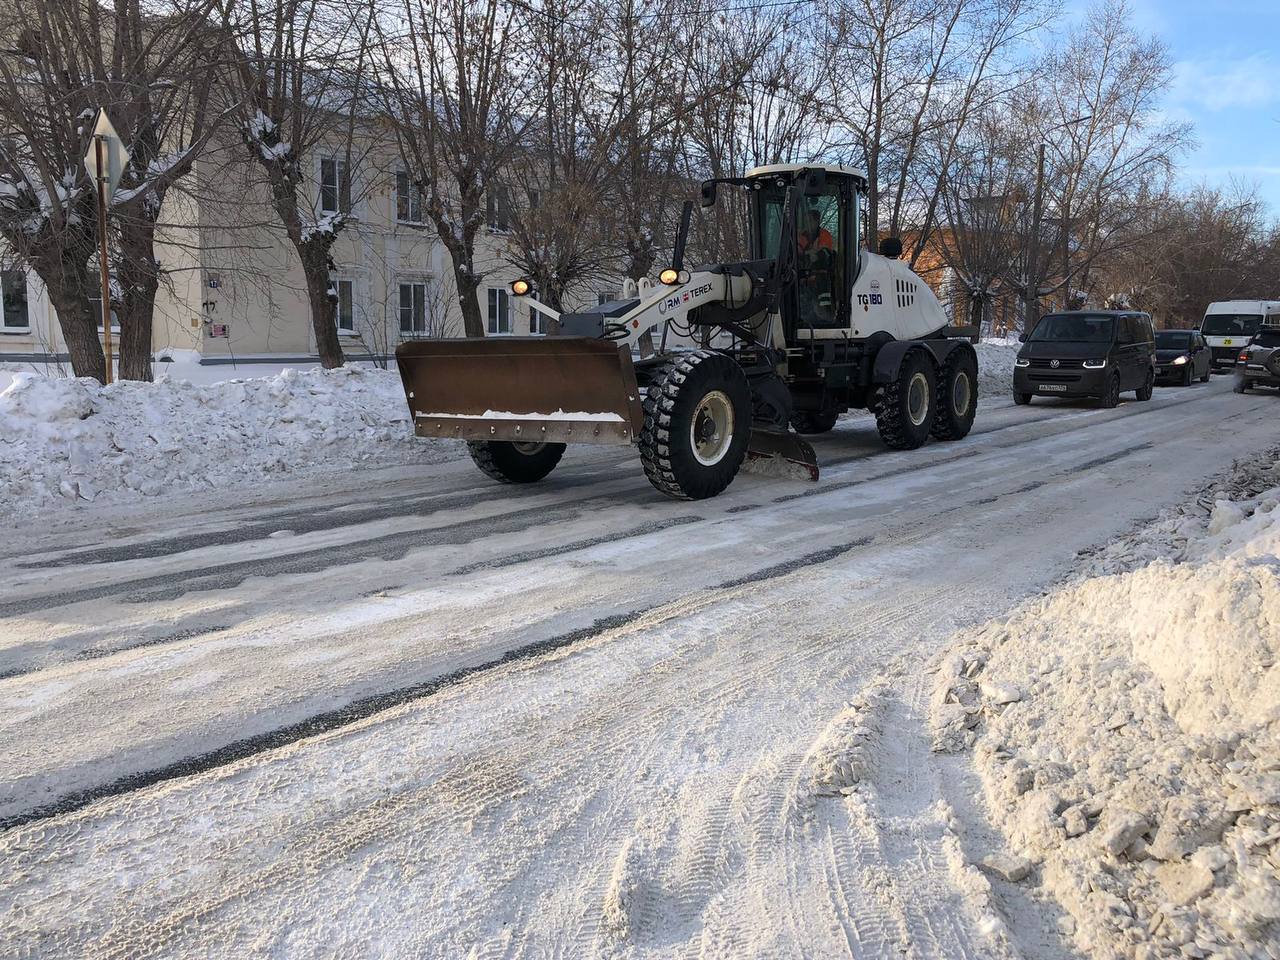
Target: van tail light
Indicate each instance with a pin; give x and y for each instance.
(1244, 356)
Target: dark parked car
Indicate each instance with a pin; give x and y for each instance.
(1182, 356)
(1259, 363)
(1087, 353)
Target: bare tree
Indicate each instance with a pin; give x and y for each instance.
(908, 77)
(1108, 150)
(457, 86)
(300, 87)
(73, 58)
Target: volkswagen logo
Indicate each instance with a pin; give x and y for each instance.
(1055, 364)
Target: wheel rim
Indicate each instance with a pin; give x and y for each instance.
(711, 429)
(529, 448)
(961, 393)
(918, 399)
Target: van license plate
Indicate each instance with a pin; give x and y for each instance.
(1053, 387)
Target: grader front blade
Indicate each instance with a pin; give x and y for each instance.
(522, 389)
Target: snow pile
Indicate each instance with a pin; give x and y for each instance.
(995, 368)
(1127, 731)
(75, 439)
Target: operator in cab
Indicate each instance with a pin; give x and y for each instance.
(817, 260)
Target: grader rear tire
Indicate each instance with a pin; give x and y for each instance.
(509, 462)
(809, 422)
(957, 395)
(697, 423)
(906, 407)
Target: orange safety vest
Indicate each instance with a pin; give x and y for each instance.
(824, 240)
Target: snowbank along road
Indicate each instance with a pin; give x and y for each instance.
(407, 712)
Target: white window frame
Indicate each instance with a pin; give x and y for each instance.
(537, 323)
(337, 306)
(496, 299)
(339, 163)
(5, 326)
(413, 199)
(411, 283)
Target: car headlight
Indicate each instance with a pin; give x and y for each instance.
(1019, 362)
(1095, 364)
(1180, 361)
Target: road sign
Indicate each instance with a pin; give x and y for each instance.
(105, 162)
(107, 155)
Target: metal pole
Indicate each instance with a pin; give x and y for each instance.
(1033, 249)
(100, 156)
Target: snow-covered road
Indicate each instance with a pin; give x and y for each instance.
(406, 712)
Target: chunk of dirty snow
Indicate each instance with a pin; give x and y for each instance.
(1000, 692)
(1006, 866)
(1184, 883)
(1120, 828)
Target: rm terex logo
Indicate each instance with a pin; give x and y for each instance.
(676, 300)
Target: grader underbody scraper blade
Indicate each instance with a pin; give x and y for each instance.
(526, 390)
(774, 453)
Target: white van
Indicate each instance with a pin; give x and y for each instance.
(1230, 324)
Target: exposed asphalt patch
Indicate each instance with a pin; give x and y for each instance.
(1110, 458)
(744, 507)
(96, 653)
(790, 566)
(299, 522)
(511, 559)
(378, 703)
(226, 576)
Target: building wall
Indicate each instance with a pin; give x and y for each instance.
(230, 267)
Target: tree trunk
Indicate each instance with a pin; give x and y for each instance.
(79, 321)
(468, 286)
(139, 281)
(136, 314)
(78, 317)
(315, 267)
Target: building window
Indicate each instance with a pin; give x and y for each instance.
(413, 309)
(13, 311)
(408, 199)
(499, 311)
(604, 296)
(498, 207)
(345, 312)
(335, 185)
(537, 322)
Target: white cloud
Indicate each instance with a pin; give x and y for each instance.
(1225, 81)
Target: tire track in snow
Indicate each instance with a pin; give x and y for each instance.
(377, 703)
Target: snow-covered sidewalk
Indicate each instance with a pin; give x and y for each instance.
(1126, 728)
(75, 440)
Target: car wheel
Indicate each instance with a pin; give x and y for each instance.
(1111, 398)
(1144, 392)
(1022, 399)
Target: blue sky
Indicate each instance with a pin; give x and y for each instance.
(1227, 82)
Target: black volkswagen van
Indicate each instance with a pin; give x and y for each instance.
(1087, 353)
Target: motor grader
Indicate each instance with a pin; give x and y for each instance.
(718, 363)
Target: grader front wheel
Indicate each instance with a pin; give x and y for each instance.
(697, 423)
